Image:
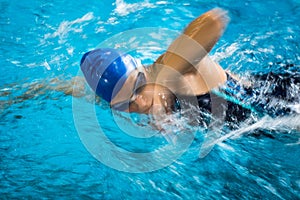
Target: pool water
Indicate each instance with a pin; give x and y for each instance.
(43, 153)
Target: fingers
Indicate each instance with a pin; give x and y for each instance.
(217, 15)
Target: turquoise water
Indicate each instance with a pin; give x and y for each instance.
(42, 153)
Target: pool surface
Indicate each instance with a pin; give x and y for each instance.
(52, 147)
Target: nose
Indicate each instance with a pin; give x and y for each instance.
(141, 104)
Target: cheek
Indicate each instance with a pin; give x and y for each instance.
(142, 104)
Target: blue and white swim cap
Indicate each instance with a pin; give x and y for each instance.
(106, 70)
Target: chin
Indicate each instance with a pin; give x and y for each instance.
(145, 109)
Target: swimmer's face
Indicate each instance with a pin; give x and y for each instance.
(139, 98)
(135, 95)
(144, 100)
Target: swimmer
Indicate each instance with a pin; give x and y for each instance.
(184, 69)
(182, 73)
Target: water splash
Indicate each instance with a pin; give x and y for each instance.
(123, 8)
(279, 124)
(66, 27)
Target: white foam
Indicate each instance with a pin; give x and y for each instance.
(68, 26)
(267, 123)
(161, 2)
(156, 36)
(123, 8)
(295, 108)
(70, 50)
(46, 65)
(227, 52)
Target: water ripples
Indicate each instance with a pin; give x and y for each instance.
(41, 153)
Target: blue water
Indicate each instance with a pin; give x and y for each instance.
(42, 153)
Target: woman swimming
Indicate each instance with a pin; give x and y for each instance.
(184, 69)
(182, 77)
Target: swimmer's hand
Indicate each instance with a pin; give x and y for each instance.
(163, 100)
(208, 28)
(160, 112)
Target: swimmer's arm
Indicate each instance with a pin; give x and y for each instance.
(186, 52)
(74, 87)
(194, 44)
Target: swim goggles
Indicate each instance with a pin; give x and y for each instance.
(124, 105)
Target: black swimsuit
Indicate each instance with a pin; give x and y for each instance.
(234, 102)
(217, 105)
